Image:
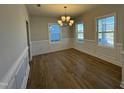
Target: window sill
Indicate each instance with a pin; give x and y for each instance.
(104, 46)
(80, 41)
(55, 42)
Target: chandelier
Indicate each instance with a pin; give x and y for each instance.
(65, 20)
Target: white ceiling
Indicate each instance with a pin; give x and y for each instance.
(56, 10)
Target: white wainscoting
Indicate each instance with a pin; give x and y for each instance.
(122, 61)
(44, 46)
(17, 76)
(111, 55)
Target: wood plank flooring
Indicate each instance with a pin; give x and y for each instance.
(72, 69)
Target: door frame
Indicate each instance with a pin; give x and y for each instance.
(28, 40)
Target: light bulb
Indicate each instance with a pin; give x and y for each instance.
(59, 21)
(67, 18)
(63, 18)
(61, 24)
(70, 24)
(72, 21)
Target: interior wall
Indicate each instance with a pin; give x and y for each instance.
(40, 36)
(39, 28)
(13, 38)
(89, 20)
(89, 45)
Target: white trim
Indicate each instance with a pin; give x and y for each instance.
(47, 40)
(104, 46)
(11, 73)
(122, 61)
(76, 33)
(81, 41)
(43, 46)
(38, 41)
(55, 42)
(89, 40)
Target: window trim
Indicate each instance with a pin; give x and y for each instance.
(79, 41)
(96, 25)
(49, 34)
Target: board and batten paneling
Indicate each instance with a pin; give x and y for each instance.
(45, 46)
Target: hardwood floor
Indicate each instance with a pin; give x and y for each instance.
(72, 69)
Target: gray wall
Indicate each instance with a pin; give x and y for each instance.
(89, 20)
(13, 39)
(39, 28)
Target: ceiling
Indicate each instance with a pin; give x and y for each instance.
(56, 10)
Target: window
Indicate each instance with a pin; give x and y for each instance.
(54, 32)
(80, 32)
(105, 30)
